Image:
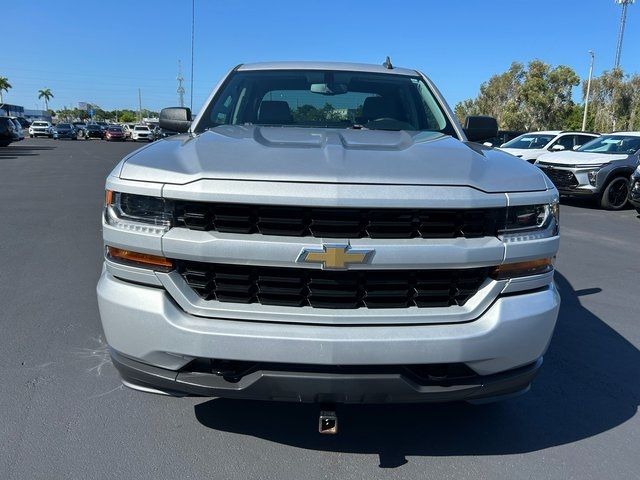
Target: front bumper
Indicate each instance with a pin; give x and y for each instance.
(37, 133)
(279, 383)
(145, 323)
(573, 182)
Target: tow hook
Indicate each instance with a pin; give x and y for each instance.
(328, 420)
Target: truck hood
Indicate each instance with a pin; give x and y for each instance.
(319, 155)
(580, 158)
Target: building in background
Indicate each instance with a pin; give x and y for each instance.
(37, 115)
(8, 110)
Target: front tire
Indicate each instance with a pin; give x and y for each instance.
(614, 196)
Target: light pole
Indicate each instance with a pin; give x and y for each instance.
(623, 21)
(193, 29)
(586, 100)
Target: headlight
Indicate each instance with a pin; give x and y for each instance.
(137, 213)
(531, 222)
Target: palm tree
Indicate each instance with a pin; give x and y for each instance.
(4, 86)
(47, 95)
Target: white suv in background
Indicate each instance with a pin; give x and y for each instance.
(530, 146)
(41, 128)
(142, 132)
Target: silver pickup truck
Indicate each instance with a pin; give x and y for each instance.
(327, 232)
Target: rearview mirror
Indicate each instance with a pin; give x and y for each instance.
(176, 119)
(479, 128)
(328, 88)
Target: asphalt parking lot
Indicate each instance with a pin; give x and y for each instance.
(64, 413)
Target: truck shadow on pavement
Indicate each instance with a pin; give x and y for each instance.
(14, 151)
(588, 385)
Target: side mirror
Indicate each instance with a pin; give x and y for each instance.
(479, 128)
(177, 119)
(557, 148)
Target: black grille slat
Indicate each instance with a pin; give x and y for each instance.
(300, 287)
(561, 178)
(336, 222)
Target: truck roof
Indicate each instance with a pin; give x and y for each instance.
(350, 67)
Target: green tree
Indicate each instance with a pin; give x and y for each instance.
(615, 102)
(126, 116)
(4, 87)
(530, 98)
(47, 95)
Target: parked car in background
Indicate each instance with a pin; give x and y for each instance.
(81, 128)
(128, 131)
(163, 133)
(94, 131)
(599, 169)
(40, 128)
(103, 125)
(24, 123)
(142, 132)
(503, 137)
(114, 132)
(634, 189)
(65, 130)
(18, 129)
(7, 135)
(530, 146)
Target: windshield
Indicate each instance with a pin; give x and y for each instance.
(141, 128)
(530, 141)
(40, 124)
(327, 99)
(63, 126)
(115, 129)
(613, 144)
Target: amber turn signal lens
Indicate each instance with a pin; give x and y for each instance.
(138, 259)
(108, 197)
(522, 269)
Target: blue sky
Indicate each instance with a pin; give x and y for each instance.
(102, 52)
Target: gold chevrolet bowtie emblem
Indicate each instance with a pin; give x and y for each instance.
(334, 257)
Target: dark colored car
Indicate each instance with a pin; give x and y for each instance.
(81, 128)
(18, 132)
(103, 125)
(24, 123)
(114, 133)
(94, 131)
(6, 131)
(503, 137)
(65, 130)
(634, 190)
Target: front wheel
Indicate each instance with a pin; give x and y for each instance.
(614, 196)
